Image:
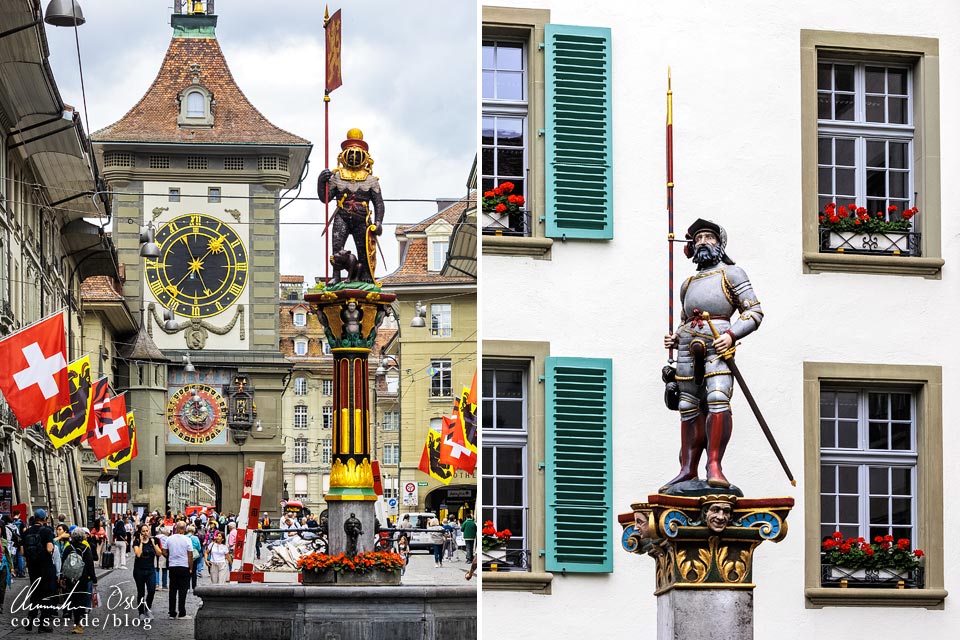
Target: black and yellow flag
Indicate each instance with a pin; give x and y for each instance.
(72, 421)
(114, 460)
(430, 460)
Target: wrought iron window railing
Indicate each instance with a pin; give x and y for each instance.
(891, 243)
(507, 225)
(833, 576)
(505, 560)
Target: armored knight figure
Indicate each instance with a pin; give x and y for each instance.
(722, 290)
(354, 188)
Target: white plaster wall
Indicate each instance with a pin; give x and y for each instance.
(736, 82)
(193, 199)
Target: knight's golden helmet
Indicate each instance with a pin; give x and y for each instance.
(355, 152)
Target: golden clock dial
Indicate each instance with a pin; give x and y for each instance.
(196, 413)
(202, 268)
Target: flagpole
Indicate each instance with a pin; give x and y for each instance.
(670, 235)
(326, 152)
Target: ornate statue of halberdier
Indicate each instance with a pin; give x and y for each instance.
(354, 188)
(722, 290)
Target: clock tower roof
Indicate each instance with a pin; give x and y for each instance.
(194, 58)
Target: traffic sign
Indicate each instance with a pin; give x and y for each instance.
(411, 494)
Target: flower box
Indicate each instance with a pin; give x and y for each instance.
(843, 578)
(895, 243)
(308, 577)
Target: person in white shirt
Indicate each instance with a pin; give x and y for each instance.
(219, 558)
(179, 553)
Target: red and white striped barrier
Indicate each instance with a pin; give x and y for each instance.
(248, 519)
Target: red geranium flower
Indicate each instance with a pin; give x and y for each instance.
(892, 208)
(918, 553)
(500, 208)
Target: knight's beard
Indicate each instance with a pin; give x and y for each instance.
(707, 255)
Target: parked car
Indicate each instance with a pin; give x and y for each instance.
(419, 538)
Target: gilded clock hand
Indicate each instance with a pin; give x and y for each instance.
(194, 267)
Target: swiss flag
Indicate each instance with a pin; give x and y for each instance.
(453, 446)
(99, 405)
(33, 370)
(111, 434)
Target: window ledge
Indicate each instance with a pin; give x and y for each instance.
(517, 581)
(819, 597)
(516, 246)
(885, 265)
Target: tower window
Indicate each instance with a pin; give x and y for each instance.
(195, 105)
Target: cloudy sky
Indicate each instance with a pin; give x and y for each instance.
(409, 82)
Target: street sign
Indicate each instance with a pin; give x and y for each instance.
(423, 484)
(410, 494)
(392, 506)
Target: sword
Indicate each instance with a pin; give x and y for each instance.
(727, 356)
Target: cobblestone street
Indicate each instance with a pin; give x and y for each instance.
(116, 618)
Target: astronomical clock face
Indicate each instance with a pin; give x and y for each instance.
(197, 413)
(202, 268)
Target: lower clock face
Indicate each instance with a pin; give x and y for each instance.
(197, 413)
(202, 268)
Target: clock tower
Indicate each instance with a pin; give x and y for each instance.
(195, 171)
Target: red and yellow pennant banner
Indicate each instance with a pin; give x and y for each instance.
(332, 32)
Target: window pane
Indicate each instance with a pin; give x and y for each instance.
(849, 479)
(486, 128)
(875, 109)
(846, 182)
(845, 152)
(509, 56)
(825, 151)
(898, 184)
(828, 482)
(509, 384)
(487, 420)
(823, 106)
(509, 461)
(843, 106)
(900, 406)
(898, 110)
(828, 437)
(876, 184)
(897, 81)
(510, 519)
(900, 511)
(828, 508)
(898, 155)
(487, 485)
(878, 436)
(487, 88)
(847, 405)
(510, 131)
(509, 162)
(848, 508)
(825, 180)
(824, 77)
(900, 482)
(875, 80)
(879, 511)
(848, 433)
(509, 491)
(876, 153)
(900, 437)
(844, 77)
(486, 56)
(879, 481)
(486, 383)
(486, 465)
(509, 415)
(827, 404)
(509, 85)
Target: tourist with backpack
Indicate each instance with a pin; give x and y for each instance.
(37, 549)
(79, 576)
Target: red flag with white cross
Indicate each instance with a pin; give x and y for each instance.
(33, 370)
(453, 447)
(111, 434)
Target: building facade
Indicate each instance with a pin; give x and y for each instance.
(197, 169)
(852, 108)
(436, 360)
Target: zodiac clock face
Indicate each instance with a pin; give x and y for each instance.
(196, 413)
(202, 268)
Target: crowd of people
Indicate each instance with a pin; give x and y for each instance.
(169, 552)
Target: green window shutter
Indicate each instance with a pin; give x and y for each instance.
(579, 465)
(579, 158)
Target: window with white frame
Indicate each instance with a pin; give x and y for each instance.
(865, 137)
(326, 387)
(441, 325)
(504, 121)
(300, 416)
(328, 417)
(173, 194)
(391, 453)
(213, 194)
(868, 463)
(196, 105)
(391, 420)
(300, 486)
(326, 450)
(438, 254)
(503, 469)
(300, 319)
(300, 347)
(441, 384)
(300, 386)
(300, 451)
